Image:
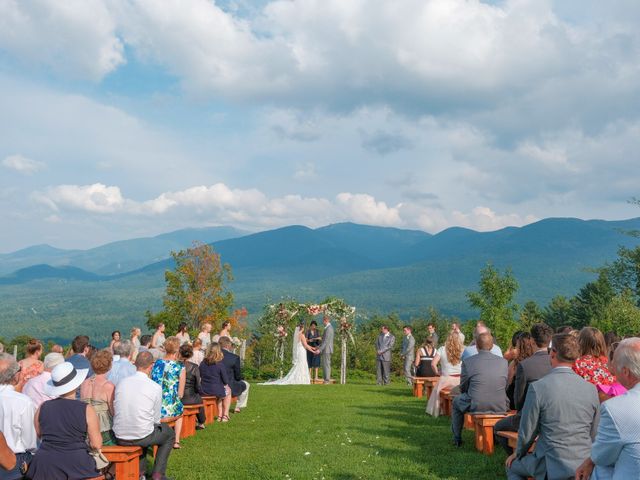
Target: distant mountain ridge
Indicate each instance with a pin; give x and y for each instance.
(375, 268)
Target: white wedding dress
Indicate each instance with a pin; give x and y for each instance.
(299, 373)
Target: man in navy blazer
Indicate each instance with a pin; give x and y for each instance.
(239, 387)
(616, 452)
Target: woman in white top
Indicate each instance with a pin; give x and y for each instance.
(198, 353)
(225, 332)
(450, 357)
(183, 333)
(205, 335)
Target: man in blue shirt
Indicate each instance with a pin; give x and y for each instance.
(80, 348)
(472, 350)
(122, 368)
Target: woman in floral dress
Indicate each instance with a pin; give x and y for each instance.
(170, 374)
(31, 366)
(592, 364)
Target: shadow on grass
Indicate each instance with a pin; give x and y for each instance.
(429, 441)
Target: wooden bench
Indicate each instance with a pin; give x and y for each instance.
(418, 386)
(512, 438)
(483, 425)
(124, 460)
(468, 421)
(429, 384)
(171, 421)
(446, 402)
(210, 409)
(189, 420)
(321, 381)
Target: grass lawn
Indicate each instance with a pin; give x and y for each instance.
(340, 432)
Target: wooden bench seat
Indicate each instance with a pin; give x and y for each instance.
(210, 409)
(189, 420)
(429, 385)
(125, 461)
(483, 426)
(446, 402)
(171, 421)
(418, 386)
(321, 381)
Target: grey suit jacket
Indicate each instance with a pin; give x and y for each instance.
(326, 346)
(529, 370)
(484, 378)
(616, 451)
(408, 346)
(562, 410)
(385, 345)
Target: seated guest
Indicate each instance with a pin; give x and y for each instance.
(145, 343)
(616, 450)
(138, 405)
(198, 352)
(512, 351)
(561, 409)
(34, 388)
(65, 426)
(528, 371)
(170, 375)
(192, 383)
(524, 348)
(183, 333)
(473, 349)
(592, 364)
(80, 348)
(483, 385)
(449, 356)
(17, 412)
(605, 392)
(424, 358)
(98, 392)
(57, 349)
(7, 457)
(31, 366)
(122, 368)
(215, 380)
(239, 387)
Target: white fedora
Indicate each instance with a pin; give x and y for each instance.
(64, 379)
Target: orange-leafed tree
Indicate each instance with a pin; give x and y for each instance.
(196, 290)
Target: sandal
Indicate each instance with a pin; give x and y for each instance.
(236, 410)
(220, 418)
(176, 446)
(225, 418)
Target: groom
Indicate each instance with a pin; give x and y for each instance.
(326, 349)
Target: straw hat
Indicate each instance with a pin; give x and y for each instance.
(64, 379)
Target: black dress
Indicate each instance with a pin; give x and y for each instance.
(64, 453)
(424, 368)
(192, 389)
(313, 360)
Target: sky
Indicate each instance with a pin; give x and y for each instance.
(122, 118)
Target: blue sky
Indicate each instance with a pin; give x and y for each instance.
(125, 118)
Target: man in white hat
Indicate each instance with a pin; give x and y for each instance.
(34, 388)
(16, 417)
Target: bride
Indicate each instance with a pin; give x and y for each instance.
(299, 373)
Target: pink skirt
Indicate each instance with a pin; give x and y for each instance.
(433, 404)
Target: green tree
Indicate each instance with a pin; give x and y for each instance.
(559, 312)
(530, 314)
(591, 302)
(196, 290)
(495, 302)
(621, 315)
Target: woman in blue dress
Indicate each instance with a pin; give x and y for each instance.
(313, 340)
(170, 374)
(215, 380)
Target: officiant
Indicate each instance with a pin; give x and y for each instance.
(313, 340)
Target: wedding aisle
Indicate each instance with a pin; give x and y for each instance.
(343, 432)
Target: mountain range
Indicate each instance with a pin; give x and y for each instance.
(49, 292)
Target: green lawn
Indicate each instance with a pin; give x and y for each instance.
(332, 432)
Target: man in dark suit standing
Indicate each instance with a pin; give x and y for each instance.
(483, 385)
(239, 387)
(561, 410)
(529, 370)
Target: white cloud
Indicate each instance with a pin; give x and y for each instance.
(363, 208)
(22, 164)
(96, 198)
(75, 38)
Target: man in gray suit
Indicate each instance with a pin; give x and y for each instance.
(483, 385)
(408, 353)
(326, 349)
(529, 370)
(384, 345)
(561, 409)
(616, 452)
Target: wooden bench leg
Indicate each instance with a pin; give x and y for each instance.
(479, 436)
(487, 439)
(129, 470)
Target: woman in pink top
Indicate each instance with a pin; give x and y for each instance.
(31, 366)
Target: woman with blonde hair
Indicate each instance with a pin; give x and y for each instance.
(135, 337)
(205, 335)
(98, 392)
(170, 374)
(215, 380)
(449, 356)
